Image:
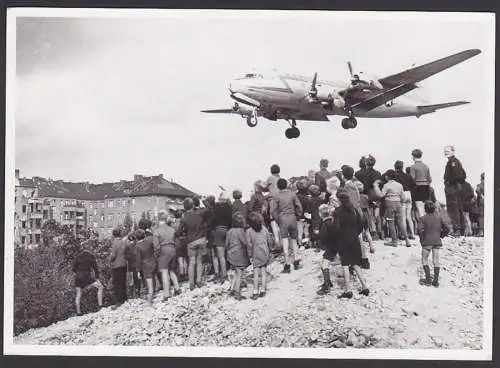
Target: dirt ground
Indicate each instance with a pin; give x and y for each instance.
(398, 313)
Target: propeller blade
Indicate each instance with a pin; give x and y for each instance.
(350, 68)
(313, 85)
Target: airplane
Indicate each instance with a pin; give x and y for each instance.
(298, 98)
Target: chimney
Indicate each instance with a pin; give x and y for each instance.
(138, 177)
(17, 174)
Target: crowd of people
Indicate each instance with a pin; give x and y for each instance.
(340, 212)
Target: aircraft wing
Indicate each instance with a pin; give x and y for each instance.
(219, 111)
(398, 84)
(422, 72)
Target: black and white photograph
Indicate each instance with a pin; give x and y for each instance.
(244, 183)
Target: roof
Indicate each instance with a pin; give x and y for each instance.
(27, 183)
(141, 186)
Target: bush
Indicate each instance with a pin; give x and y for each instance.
(44, 290)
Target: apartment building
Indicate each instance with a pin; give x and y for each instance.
(100, 207)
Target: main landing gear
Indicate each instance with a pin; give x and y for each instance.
(350, 122)
(293, 131)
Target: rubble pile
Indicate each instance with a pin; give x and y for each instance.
(398, 313)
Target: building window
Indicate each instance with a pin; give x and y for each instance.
(90, 205)
(91, 218)
(23, 224)
(124, 203)
(23, 239)
(24, 208)
(102, 204)
(37, 238)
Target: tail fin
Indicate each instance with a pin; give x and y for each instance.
(427, 109)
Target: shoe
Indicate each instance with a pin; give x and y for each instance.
(199, 284)
(323, 290)
(177, 292)
(192, 287)
(365, 263)
(165, 299)
(286, 269)
(79, 314)
(364, 292)
(239, 297)
(411, 237)
(427, 280)
(408, 244)
(345, 294)
(296, 265)
(262, 294)
(255, 297)
(435, 281)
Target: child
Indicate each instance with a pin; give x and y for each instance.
(432, 230)
(258, 242)
(285, 209)
(315, 202)
(304, 199)
(327, 239)
(236, 248)
(347, 227)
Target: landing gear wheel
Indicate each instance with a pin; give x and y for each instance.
(353, 122)
(251, 121)
(345, 123)
(291, 133)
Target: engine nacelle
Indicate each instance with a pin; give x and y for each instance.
(372, 80)
(242, 109)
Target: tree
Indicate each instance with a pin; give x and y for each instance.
(127, 224)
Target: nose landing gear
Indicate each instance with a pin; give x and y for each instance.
(252, 119)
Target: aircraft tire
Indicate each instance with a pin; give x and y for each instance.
(292, 133)
(353, 123)
(345, 123)
(251, 122)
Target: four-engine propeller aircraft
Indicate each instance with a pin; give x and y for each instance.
(293, 97)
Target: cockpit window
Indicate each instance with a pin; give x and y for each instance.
(250, 75)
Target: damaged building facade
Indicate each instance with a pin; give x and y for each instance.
(82, 206)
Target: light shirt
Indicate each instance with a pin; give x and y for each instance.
(393, 191)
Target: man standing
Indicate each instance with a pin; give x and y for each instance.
(454, 178)
(421, 176)
(119, 267)
(84, 263)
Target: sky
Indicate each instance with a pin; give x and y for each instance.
(101, 99)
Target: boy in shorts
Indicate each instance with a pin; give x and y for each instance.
(84, 263)
(285, 210)
(432, 230)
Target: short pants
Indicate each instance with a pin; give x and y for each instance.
(197, 247)
(288, 226)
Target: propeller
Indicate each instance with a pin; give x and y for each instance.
(349, 65)
(313, 92)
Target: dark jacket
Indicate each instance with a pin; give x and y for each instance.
(131, 255)
(315, 202)
(454, 173)
(305, 200)
(239, 206)
(370, 175)
(222, 215)
(348, 224)
(86, 262)
(194, 225)
(327, 234)
(405, 180)
(432, 230)
(257, 203)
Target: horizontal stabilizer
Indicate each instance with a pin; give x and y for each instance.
(426, 109)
